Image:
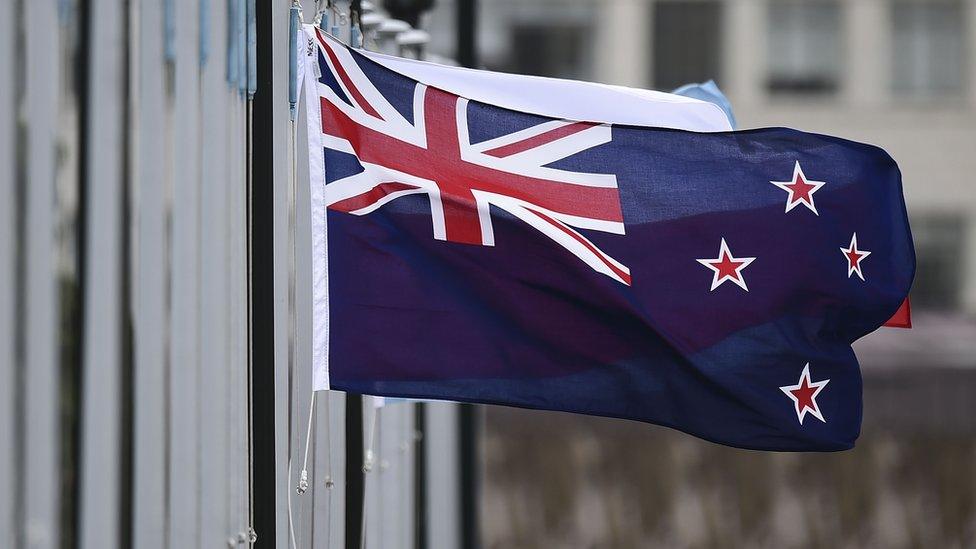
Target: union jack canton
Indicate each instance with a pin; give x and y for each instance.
(433, 155)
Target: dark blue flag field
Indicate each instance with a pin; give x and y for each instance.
(709, 282)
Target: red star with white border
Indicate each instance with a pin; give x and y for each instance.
(800, 189)
(804, 395)
(727, 267)
(854, 258)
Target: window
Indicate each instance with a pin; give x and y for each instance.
(927, 47)
(560, 50)
(804, 46)
(939, 262)
(686, 42)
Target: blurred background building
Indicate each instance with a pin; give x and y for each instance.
(900, 74)
(896, 73)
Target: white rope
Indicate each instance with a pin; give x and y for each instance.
(293, 320)
(291, 523)
(292, 187)
(329, 483)
(250, 358)
(303, 478)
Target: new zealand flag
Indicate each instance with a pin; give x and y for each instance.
(710, 282)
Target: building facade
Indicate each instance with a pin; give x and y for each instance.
(900, 74)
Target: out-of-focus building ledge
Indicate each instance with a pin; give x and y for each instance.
(935, 341)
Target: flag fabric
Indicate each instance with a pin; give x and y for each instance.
(475, 246)
(709, 91)
(902, 317)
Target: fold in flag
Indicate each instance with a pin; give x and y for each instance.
(558, 245)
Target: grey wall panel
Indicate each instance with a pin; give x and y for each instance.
(40, 450)
(238, 190)
(149, 286)
(328, 515)
(100, 442)
(396, 474)
(8, 272)
(390, 475)
(235, 290)
(301, 381)
(282, 162)
(184, 476)
(374, 420)
(443, 476)
(234, 422)
(215, 327)
(389, 506)
(408, 510)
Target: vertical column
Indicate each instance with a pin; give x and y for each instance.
(970, 34)
(621, 34)
(101, 421)
(184, 389)
(149, 287)
(301, 315)
(374, 420)
(968, 289)
(969, 269)
(283, 148)
(328, 510)
(355, 482)
(215, 381)
(237, 276)
(744, 49)
(40, 476)
(283, 267)
(8, 272)
(395, 476)
(444, 476)
(408, 484)
(389, 476)
(270, 278)
(239, 284)
(868, 55)
(470, 427)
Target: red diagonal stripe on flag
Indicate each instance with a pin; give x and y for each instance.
(341, 72)
(538, 140)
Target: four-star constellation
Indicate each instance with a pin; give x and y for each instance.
(727, 267)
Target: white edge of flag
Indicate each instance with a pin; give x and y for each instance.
(564, 99)
(320, 240)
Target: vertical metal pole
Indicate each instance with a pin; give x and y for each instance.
(355, 480)
(40, 297)
(467, 33)
(8, 269)
(443, 495)
(149, 367)
(102, 362)
(185, 364)
(420, 476)
(216, 376)
(269, 278)
(468, 428)
(328, 520)
(469, 431)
